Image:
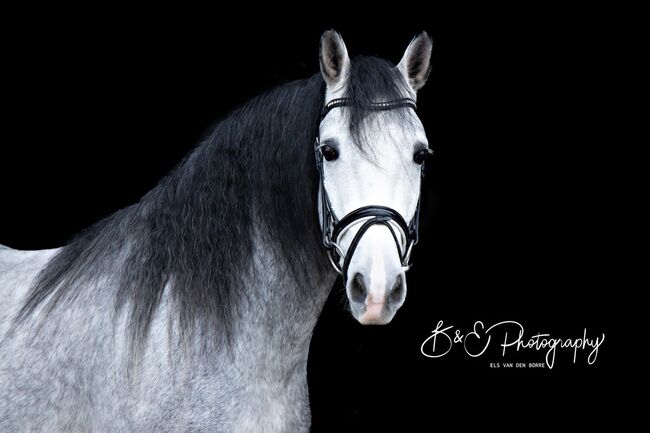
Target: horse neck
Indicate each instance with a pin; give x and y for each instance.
(276, 320)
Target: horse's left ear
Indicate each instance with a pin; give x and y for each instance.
(416, 62)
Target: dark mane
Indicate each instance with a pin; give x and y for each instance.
(371, 80)
(253, 174)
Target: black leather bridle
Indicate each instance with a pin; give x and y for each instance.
(332, 227)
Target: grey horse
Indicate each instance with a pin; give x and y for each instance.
(193, 309)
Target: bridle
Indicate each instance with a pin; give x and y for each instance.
(405, 235)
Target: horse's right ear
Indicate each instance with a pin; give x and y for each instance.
(334, 60)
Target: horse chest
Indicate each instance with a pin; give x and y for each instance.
(273, 407)
(252, 407)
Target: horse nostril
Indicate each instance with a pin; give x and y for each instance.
(358, 290)
(397, 291)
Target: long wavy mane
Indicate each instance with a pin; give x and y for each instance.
(253, 175)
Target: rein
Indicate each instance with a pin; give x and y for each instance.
(405, 235)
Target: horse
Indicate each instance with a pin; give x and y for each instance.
(193, 309)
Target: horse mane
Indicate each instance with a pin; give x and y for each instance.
(253, 174)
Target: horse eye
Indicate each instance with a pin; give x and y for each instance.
(329, 153)
(420, 156)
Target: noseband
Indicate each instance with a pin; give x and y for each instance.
(405, 235)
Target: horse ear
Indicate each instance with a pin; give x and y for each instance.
(416, 62)
(334, 60)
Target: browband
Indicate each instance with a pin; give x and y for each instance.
(377, 106)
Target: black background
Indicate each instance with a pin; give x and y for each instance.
(519, 199)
